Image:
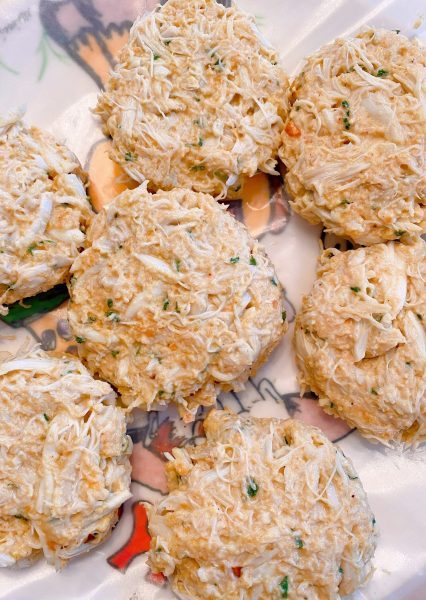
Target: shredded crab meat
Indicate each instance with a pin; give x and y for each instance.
(354, 141)
(173, 301)
(360, 339)
(262, 506)
(197, 100)
(64, 459)
(44, 211)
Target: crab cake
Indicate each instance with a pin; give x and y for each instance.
(265, 508)
(197, 99)
(174, 301)
(360, 339)
(355, 139)
(44, 211)
(64, 468)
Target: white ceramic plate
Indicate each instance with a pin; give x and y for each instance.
(54, 55)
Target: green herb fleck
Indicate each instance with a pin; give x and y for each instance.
(253, 261)
(46, 417)
(79, 340)
(284, 587)
(346, 121)
(115, 353)
(167, 42)
(234, 259)
(374, 391)
(177, 307)
(110, 302)
(166, 304)
(274, 281)
(177, 264)
(221, 175)
(36, 245)
(378, 318)
(340, 570)
(382, 73)
(156, 56)
(355, 289)
(373, 520)
(399, 232)
(344, 202)
(284, 315)
(219, 65)
(112, 316)
(200, 141)
(299, 542)
(129, 157)
(252, 487)
(198, 168)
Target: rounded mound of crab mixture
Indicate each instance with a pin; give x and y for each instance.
(354, 142)
(264, 508)
(360, 339)
(174, 300)
(64, 468)
(44, 211)
(197, 99)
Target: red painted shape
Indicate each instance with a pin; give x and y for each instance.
(237, 571)
(164, 440)
(138, 543)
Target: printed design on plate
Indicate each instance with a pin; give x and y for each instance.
(138, 542)
(91, 32)
(159, 433)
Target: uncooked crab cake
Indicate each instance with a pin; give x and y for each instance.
(360, 339)
(64, 468)
(265, 508)
(174, 301)
(196, 100)
(44, 211)
(355, 138)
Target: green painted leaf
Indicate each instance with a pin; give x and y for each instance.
(40, 304)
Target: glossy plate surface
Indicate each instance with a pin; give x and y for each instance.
(54, 56)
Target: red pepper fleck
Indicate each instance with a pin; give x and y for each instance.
(292, 130)
(157, 578)
(237, 571)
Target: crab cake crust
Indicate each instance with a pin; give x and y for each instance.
(355, 139)
(264, 508)
(44, 211)
(360, 339)
(65, 469)
(174, 301)
(197, 99)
